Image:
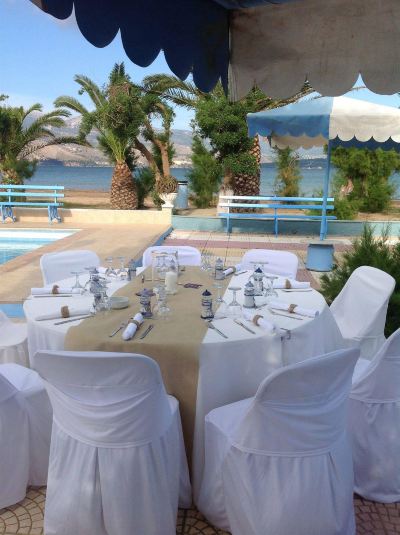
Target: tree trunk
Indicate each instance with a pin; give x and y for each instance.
(123, 188)
(10, 176)
(144, 151)
(164, 157)
(249, 185)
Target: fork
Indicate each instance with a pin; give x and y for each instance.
(212, 326)
(123, 324)
(285, 315)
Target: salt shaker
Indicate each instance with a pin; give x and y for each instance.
(219, 270)
(249, 301)
(258, 277)
(206, 306)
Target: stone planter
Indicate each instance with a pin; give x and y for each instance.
(169, 199)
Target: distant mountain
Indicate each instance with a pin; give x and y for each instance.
(75, 155)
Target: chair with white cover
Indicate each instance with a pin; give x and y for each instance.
(117, 460)
(13, 341)
(25, 423)
(281, 263)
(187, 256)
(375, 425)
(280, 463)
(360, 309)
(58, 266)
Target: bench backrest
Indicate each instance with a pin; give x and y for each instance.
(12, 193)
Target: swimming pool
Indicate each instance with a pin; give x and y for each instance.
(15, 243)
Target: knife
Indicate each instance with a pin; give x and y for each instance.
(146, 332)
(74, 319)
(244, 326)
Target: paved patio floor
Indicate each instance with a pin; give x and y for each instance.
(26, 518)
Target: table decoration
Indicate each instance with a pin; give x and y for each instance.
(249, 301)
(219, 269)
(206, 306)
(258, 276)
(145, 303)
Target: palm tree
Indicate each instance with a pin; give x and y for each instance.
(117, 117)
(23, 132)
(185, 93)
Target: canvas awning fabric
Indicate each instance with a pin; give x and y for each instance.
(275, 44)
(342, 120)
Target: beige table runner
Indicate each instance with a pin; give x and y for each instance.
(173, 344)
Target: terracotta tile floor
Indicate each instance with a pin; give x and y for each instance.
(26, 518)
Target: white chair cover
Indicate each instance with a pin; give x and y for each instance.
(280, 463)
(279, 262)
(375, 425)
(117, 462)
(57, 266)
(187, 256)
(13, 341)
(25, 423)
(360, 309)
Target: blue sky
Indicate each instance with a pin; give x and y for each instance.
(40, 55)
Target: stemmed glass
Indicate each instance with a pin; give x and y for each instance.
(270, 292)
(221, 308)
(234, 308)
(122, 270)
(110, 270)
(77, 285)
(163, 310)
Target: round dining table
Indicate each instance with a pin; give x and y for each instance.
(229, 369)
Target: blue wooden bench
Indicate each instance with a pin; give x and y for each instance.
(42, 196)
(275, 204)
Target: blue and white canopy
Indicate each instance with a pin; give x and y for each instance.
(341, 120)
(275, 44)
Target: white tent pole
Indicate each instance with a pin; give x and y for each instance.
(324, 222)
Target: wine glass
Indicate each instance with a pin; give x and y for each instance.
(234, 308)
(77, 285)
(122, 270)
(221, 308)
(270, 292)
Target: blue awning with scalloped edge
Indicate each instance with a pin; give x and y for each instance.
(274, 44)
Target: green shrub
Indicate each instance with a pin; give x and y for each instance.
(145, 182)
(205, 176)
(368, 251)
(344, 208)
(288, 175)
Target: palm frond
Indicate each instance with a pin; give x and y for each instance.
(72, 103)
(91, 88)
(35, 107)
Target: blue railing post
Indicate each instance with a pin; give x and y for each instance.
(324, 224)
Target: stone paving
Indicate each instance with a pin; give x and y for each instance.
(26, 518)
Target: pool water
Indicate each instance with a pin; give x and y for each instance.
(15, 243)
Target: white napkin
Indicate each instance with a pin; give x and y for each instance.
(261, 321)
(290, 283)
(48, 290)
(71, 313)
(131, 328)
(301, 311)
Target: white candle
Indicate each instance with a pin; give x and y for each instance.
(171, 282)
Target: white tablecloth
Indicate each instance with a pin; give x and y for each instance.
(229, 370)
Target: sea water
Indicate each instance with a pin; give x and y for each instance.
(99, 178)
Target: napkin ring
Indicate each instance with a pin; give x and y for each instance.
(256, 318)
(65, 311)
(136, 323)
(54, 290)
(292, 308)
(288, 285)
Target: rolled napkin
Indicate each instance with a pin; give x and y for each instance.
(55, 290)
(259, 320)
(232, 269)
(132, 327)
(64, 312)
(293, 308)
(289, 284)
